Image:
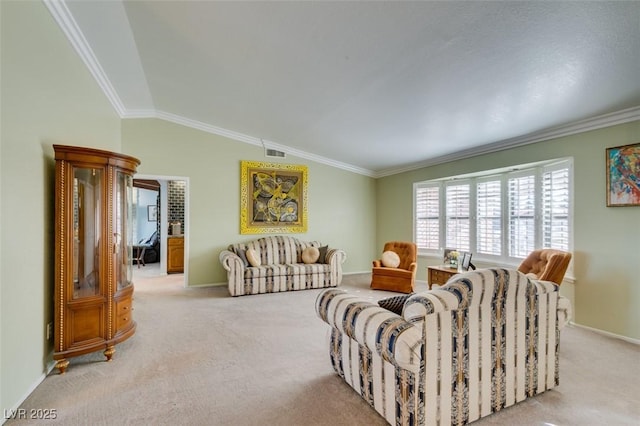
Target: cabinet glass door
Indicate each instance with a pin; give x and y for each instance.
(87, 199)
(123, 230)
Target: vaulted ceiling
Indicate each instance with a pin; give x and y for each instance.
(375, 87)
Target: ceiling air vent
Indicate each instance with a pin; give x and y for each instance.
(274, 153)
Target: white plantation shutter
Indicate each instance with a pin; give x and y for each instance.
(522, 209)
(428, 217)
(555, 208)
(489, 217)
(457, 200)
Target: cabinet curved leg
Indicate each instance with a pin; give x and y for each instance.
(62, 365)
(109, 352)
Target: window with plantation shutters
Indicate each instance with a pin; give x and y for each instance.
(458, 216)
(427, 217)
(555, 208)
(489, 216)
(498, 215)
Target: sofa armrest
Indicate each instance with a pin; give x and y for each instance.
(231, 261)
(335, 257)
(379, 330)
(419, 305)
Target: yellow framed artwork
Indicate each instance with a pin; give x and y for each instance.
(273, 198)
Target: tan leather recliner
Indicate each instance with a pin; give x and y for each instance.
(546, 265)
(402, 278)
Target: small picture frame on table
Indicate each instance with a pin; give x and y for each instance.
(450, 258)
(466, 261)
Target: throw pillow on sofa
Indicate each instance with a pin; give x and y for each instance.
(395, 303)
(390, 259)
(253, 257)
(242, 254)
(323, 254)
(310, 255)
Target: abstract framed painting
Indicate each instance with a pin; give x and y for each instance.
(273, 198)
(623, 175)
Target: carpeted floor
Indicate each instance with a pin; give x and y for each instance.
(201, 357)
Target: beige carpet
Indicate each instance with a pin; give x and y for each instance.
(200, 357)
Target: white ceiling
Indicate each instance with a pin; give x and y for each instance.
(378, 87)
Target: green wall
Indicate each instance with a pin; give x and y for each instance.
(341, 209)
(48, 96)
(606, 291)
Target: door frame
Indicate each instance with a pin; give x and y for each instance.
(164, 225)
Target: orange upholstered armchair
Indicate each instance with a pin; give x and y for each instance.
(396, 270)
(546, 265)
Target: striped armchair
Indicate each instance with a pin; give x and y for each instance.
(484, 341)
(280, 265)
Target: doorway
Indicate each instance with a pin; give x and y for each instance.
(162, 218)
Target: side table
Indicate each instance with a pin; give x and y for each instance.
(440, 274)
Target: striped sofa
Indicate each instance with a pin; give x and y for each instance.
(281, 266)
(484, 341)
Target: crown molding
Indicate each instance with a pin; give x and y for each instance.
(67, 23)
(199, 125)
(139, 113)
(594, 123)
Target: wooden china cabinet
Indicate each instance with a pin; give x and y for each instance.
(93, 252)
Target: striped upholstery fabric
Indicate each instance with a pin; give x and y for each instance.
(281, 267)
(484, 341)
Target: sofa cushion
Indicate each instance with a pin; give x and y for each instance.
(390, 259)
(253, 257)
(310, 255)
(290, 269)
(242, 254)
(322, 258)
(395, 303)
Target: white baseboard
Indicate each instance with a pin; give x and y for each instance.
(606, 333)
(222, 284)
(356, 273)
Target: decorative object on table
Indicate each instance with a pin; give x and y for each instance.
(623, 175)
(396, 270)
(176, 228)
(465, 264)
(451, 258)
(152, 213)
(273, 198)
